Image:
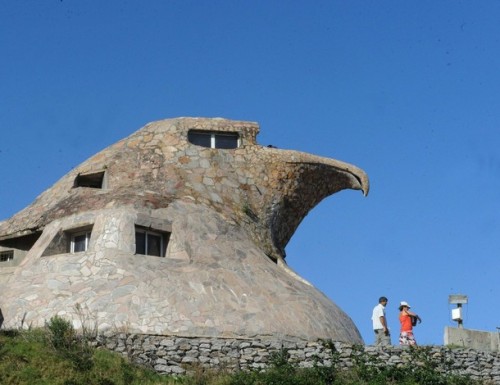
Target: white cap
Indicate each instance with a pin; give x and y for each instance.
(404, 303)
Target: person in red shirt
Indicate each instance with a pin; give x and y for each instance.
(407, 319)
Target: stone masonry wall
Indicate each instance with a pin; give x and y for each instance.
(175, 355)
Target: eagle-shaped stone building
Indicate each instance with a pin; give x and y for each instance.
(178, 229)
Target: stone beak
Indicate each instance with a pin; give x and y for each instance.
(297, 183)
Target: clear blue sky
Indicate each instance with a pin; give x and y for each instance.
(406, 90)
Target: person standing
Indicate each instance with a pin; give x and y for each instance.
(382, 335)
(407, 319)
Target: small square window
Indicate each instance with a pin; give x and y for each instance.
(150, 242)
(80, 242)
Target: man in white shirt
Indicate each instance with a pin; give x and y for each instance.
(382, 335)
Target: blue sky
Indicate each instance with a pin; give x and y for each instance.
(406, 90)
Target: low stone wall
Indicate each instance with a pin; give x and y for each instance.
(175, 355)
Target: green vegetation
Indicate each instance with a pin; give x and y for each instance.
(56, 355)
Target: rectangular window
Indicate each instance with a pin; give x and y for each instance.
(6, 256)
(94, 180)
(226, 141)
(150, 242)
(80, 242)
(223, 140)
(203, 139)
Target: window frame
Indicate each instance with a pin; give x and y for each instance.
(87, 234)
(213, 138)
(164, 238)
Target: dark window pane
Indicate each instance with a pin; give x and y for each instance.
(6, 256)
(90, 180)
(226, 141)
(140, 243)
(154, 245)
(200, 138)
(79, 243)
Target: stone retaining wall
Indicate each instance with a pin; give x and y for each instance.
(175, 355)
